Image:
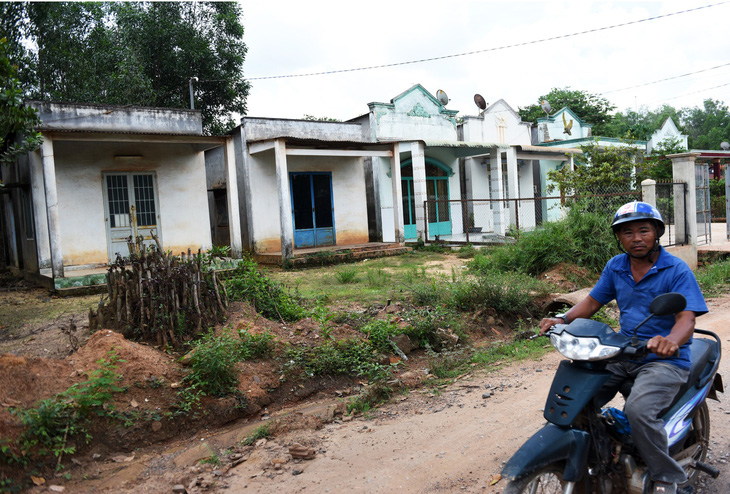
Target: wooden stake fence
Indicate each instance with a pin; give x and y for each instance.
(160, 298)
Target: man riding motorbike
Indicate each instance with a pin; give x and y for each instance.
(633, 279)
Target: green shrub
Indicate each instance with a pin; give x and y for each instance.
(379, 331)
(213, 364)
(346, 275)
(508, 293)
(268, 297)
(253, 346)
(349, 356)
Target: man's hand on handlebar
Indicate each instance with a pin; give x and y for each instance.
(663, 347)
(549, 322)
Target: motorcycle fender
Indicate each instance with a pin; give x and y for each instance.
(548, 445)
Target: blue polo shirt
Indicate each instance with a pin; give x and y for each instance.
(668, 274)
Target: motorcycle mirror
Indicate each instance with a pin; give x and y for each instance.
(668, 303)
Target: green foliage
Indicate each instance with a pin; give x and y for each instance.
(379, 332)
(213, 363)
(17, 121)
(254, 346)
(714, 278)
(262, 432)
(424, 322)
(138, 53)
(708, 126)
(598, 169)
(591, 108)
(509, 352)
(51, 427)
(657, 166)
(377, 277)
(267, 296)
(642, 123)
(466, 251)
(347, 274)
(583, 238)
(505, 292)
(350, 356)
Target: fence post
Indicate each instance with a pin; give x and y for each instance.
(683, 170)
(648, 191)
(727, 201)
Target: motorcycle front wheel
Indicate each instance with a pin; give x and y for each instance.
(548, 480)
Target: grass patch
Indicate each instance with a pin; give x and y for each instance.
(262, 432)
(510, 352)
(714, 279)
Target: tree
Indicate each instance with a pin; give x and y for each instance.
(657, 166)
(591, 108)
(17, 121)
(641, 123)
(599, 170)
(707, 127)
(140, 53)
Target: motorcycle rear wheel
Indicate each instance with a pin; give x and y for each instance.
(699, 437)
(548, 480)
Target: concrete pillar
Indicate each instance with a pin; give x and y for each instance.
(234, 209)
(648, 191)
(683, 170)
(512, 184)
(42, 238)
(418, 160)
(727, 201)
(286, 222)
(54, 225)
(397, 196)
(499, 213)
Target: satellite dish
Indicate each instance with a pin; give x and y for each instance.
(442, 97)
(479, 100)
(725, 145)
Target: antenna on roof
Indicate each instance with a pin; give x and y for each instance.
(480, 102)
(442, 97)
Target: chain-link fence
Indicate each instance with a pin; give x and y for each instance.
(496, 221)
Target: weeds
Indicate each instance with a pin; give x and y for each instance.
(346, 275)
(714, 279)
(267, 296)
(213, 364)
(262, 432)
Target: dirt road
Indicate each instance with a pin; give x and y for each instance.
(453, 441)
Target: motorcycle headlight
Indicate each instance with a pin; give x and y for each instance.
(582, 348)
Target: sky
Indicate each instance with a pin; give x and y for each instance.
(295, 37)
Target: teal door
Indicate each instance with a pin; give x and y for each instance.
(437, 192)
(312, 209)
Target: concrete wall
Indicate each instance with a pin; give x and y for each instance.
(499, 123)
(182, 197)
(348, 190)
(270, 128)
(117, 118)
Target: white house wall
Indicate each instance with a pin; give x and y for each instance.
(180, 182)
(348, 190)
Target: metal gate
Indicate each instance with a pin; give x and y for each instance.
(702, 191)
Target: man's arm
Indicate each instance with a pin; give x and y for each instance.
(684, 327)
(583, 309)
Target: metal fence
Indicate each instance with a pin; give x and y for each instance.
(498, 221)
(704, 216)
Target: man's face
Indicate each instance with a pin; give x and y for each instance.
(637, 237)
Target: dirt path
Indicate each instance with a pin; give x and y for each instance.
(453, 440)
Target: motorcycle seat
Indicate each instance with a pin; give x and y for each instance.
(703, 351)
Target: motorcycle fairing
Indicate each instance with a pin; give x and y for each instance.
(548, 445)
(677, 422)
(573, 387)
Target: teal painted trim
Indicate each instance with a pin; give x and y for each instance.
(80, 281)
(418, 111)
(431, 161)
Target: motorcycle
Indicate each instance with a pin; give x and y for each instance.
(585, 449)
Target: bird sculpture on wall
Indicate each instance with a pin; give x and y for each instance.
(545, 105)
(725, 145)
(567, 125)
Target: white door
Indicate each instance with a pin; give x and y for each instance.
(131, 210)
